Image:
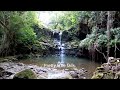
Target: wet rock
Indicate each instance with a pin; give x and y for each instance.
(118, 68)
(74, 74)
(97, 76)
(81, 74)
(1, 72)
(117, 75)
(25, 74)
(112, 60)
(100, 69)
(108, 75)
(114, 68)
(109, 70)
(4, 60)
(40, 70)
(7, 73)
(1, 69)
(22, 71)
(106, 66)
(4, 73)
(99, 73)
(31, 67)
(8, 59)
(20, 64)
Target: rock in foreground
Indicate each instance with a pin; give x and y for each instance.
(109, 70)
(25, 74)
(24, 71)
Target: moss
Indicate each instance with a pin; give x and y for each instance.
(25, 74)
(108, 75)
(100, 69)
(97, 76)
(117, 75)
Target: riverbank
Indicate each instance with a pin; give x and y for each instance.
(109, 70)
(8, 70)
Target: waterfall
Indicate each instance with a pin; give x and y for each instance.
(60, 45)
(61, 49)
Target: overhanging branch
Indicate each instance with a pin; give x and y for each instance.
(101, 53)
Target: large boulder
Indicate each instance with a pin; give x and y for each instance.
(100, 73)
(106, 71)
(25, 74)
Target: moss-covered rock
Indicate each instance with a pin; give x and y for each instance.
(97, 76)
(100, 73)
(108, 75)
(117, 75)
(8, 59)
(100, 69)
(25, 74)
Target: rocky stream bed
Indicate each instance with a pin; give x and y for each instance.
(16, 70)
(12, 70)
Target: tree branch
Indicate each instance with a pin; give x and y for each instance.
(117, 48)
(4, 25)
(101, 53)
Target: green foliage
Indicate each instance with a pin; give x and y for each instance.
(64, 20)
(89, 40)
(17, 29)
(99, 38)
(26, 35)
(102, 40)
(22, 24)
(115, 36)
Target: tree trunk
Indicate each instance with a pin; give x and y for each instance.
(109, 26)
(7, 37)
(115, 46)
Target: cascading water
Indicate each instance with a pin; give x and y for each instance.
(61, 49)
(60, 46)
